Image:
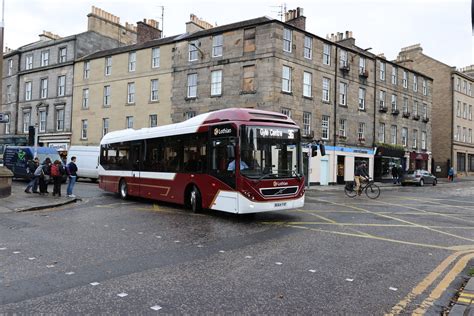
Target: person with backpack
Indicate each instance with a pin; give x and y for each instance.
(33, 184)
(44, 172)
(57, 172)
(71, 169)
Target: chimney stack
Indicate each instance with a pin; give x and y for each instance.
(107, 24)
(147, 30)
(296, 18)
(195, 24)
(47, 36)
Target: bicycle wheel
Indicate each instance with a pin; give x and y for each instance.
(372, 191)
(350, 193)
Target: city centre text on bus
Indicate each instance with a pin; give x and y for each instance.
(233, 160)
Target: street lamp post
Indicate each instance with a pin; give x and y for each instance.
(36, 140)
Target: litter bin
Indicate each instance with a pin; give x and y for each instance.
(5, 182)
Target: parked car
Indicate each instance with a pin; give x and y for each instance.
(419, 177)
(87, 161)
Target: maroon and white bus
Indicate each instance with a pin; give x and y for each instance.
(233, 160)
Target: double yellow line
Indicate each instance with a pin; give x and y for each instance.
(430, 279)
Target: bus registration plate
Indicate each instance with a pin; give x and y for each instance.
(280, 204)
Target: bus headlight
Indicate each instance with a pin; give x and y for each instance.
(248, 195)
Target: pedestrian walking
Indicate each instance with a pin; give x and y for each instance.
(400, 173)
(451, 174)
(395, 175)
(44, 175)
(71, 170)
(30, 170)
(57, 172)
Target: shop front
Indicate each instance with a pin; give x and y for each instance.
(387, 158)
(419, 161)
(338, 166)
(60, 141)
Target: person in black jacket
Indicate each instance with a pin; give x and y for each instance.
(71, 170)
(33, 184)
(360, 174)
(395, 175)
(44, 176)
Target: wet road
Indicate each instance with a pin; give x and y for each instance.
(402, 252)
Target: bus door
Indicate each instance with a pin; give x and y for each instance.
(136, 163)
(223, 160)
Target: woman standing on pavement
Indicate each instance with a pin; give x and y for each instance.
(44, 175)
(57, 172)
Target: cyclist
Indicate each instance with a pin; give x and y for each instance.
(360, 174)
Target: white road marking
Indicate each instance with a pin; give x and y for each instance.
(50, 266)
(70, 273)
(156, 307)
(31, 258)
(248, 257)
(349, 280)
(393, 288)
(312, 271)
(140, 233)
(94, 283)
(16, 252)
(3, 248)
(122, 294)
(278, 263)
(221, 251)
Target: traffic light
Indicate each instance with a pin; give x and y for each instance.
(314, 150)
(31, 135)
(322, 149)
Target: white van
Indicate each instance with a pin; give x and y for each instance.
(87, 161)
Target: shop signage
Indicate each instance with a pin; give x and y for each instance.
(418, 156)
(59, 146)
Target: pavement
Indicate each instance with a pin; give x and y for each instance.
(19, 201)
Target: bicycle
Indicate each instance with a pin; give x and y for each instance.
(371, 189)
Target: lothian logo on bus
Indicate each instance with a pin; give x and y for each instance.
(222, 131)
(277, 184)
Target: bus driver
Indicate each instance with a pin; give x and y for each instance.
(231, 166)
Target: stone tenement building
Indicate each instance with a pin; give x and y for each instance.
(336, 91)
(452, 111)
(38, 79)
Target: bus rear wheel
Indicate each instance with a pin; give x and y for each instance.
(123, 189)
(195, 201)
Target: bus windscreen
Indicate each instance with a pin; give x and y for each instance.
(270, 152)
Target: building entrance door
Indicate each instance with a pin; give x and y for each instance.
(324, 180)
(340, 170)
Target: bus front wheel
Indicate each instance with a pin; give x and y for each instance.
(123, 189)
(195, 201)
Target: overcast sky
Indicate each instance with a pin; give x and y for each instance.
(442, 27)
